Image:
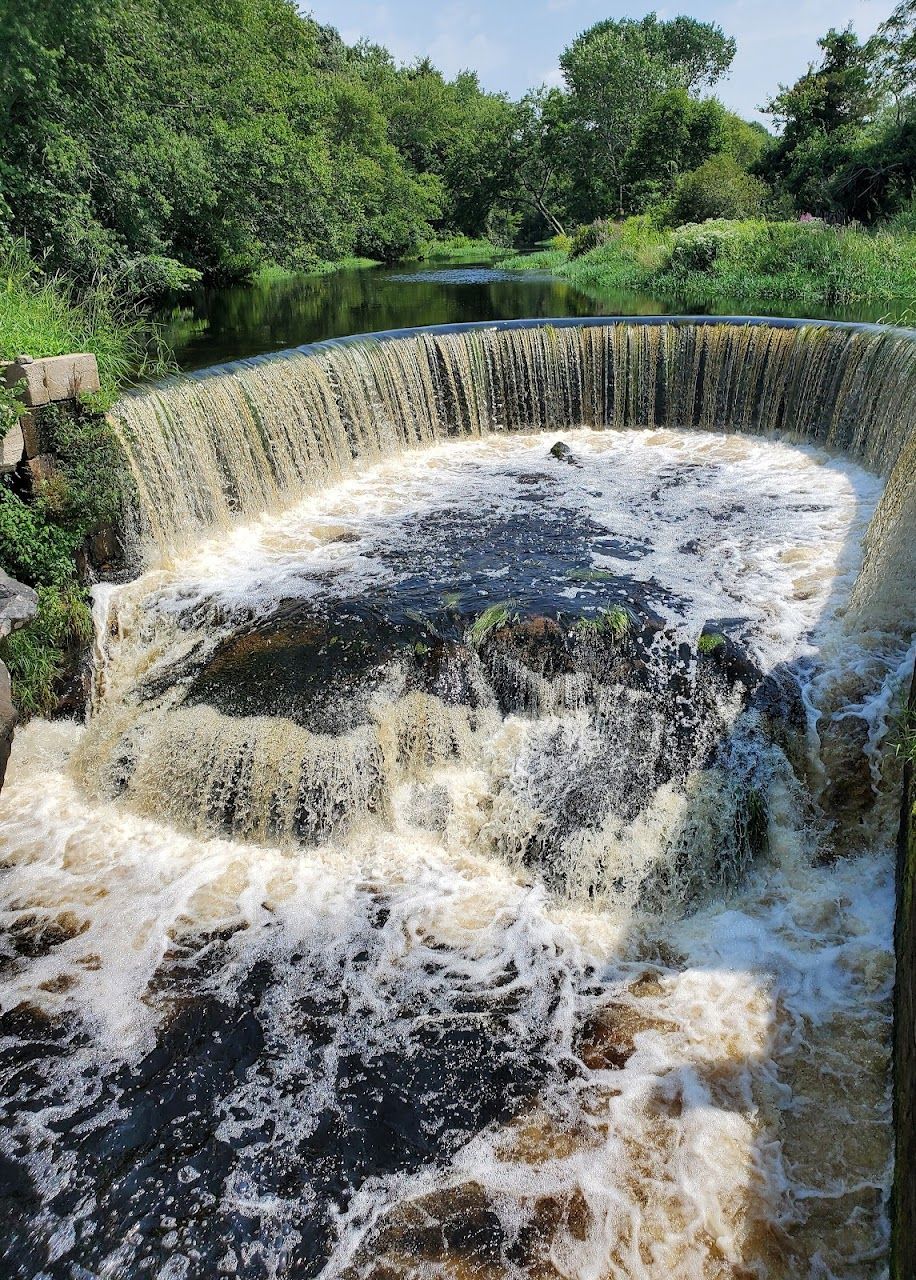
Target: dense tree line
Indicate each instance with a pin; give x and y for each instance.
(847, 144)
(164, 138)
(221, 134)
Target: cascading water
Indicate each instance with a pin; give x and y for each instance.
(478, 860)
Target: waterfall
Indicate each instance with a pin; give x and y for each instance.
(221, 447)
(478, 859)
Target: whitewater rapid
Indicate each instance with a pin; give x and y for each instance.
(394, 1051)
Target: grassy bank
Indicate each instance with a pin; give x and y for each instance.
(46, 520)
(802, 261)
(272, 274)
(463, 249)
(43, 315)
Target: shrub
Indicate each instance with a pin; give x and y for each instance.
(719, 188)
(752, 258)
(37, 656)
(696, 247)
(32, 548)
(44, 315)
(91, 485)
(591, 237)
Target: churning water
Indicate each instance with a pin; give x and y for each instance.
(465, 873)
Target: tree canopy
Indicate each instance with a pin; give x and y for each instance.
(167, 139)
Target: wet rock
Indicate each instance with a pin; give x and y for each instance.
(563, 453)
(849, 796)
(605, 1040)
(165, 1142)
(18, 605)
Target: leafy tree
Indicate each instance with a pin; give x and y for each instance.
(718, 188)
(617, 72)
(699, 53)
(217, 135)
(539, 154)
(676, 135)
(841, 93)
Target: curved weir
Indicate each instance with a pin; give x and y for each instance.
(302, 419)
(480, 856)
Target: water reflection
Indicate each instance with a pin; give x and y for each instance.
(216, 325)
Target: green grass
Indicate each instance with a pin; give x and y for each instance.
(271, 273)
(542, 260)
(36, 656)
(903, 735)
(462, 249)
(614, 622)
(47, 315)
(710, 641)
(492, 619)
(805, 261)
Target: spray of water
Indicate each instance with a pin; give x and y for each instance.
(426, 895)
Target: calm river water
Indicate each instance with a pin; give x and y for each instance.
(216, 325)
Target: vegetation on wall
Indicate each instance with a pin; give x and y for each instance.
(45, 526)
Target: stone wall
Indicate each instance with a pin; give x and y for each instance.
(37, 383)
(903, 1263)
(55, 380)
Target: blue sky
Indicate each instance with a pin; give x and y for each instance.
(515, 44)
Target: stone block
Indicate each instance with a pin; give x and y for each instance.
(53, 378)
(12, 448)
(31, 434)
(42, 467)
(18, 605)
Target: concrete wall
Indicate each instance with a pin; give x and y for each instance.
(904, 1201)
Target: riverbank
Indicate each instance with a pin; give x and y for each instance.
(796, 261)
(57, 496)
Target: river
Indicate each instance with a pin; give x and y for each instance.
(214, 325)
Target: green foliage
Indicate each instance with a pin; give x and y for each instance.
(710, 641)
(11, 409)
(36, 656)
(42, 315)
(751, 258)
(718, 188)
(544, 260)
(614, 622)
(161, 138)
(632, 253)
(628, 81)
(590, 237)
(33, 548)
(461, 248)
(902, 737)
(807, 260)
(848, 144)
(40, 541)
(494, 618)
(93, 482)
